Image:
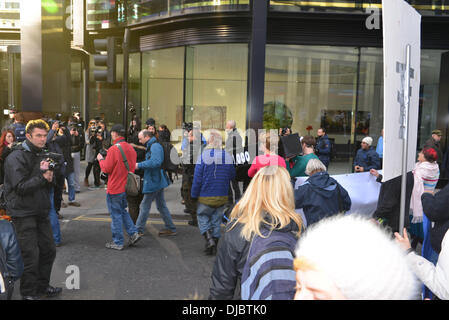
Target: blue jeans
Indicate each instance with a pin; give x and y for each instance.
(54, 219)
(209, 218)
(71, 186)
(117, 208)
(145, 207)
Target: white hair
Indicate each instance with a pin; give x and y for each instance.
(360, 257)
(215, 139)
(314, 165)
(232, 123)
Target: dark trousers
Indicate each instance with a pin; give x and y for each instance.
(88, 169)
(38, 249)
(134, 205)
(234, 187)
(97, 171)
(59, 187)
(186, 189)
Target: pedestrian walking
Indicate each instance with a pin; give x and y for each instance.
(213, 174)
(155, 181)
(114, 166)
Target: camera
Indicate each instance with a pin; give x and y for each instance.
(54, 159)
(187, 126)
(103, 153)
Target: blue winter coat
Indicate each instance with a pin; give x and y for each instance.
(154, 178)
(368, 159)
(318, 197)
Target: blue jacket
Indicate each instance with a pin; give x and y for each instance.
(380, 147)
(213, 171)
(323, 148)
(319, 198)
(368, 159)
(154, 178)
(13, 258)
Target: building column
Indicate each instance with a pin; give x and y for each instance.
(256, 64)
(45, 58)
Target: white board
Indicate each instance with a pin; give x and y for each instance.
(401, 26)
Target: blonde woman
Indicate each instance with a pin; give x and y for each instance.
(267, 208)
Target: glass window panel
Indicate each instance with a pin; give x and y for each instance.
(312, 86)
(163, 87)
(216, 85)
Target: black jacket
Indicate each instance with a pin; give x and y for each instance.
(5, 153)
(436, 208)
(389, 201)
(26, 190)
(77, 141)
(11, 250)
(231, 258)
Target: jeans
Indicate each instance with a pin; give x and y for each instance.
(145, 207)
(54, 219)
(210, 218)
(38, 252)
(71, 186)
(117, 208)
(76, 166)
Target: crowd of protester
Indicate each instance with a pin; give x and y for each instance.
(269, 249)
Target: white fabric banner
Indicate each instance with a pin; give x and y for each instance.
(363, 189)
(401, 27)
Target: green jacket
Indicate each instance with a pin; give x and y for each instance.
(300, 164)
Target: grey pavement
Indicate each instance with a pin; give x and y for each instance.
(156, 267)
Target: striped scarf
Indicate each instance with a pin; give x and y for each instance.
(426, 176)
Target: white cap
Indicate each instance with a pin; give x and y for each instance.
(368, 140)
(362, 259)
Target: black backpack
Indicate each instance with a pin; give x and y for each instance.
(171, 158)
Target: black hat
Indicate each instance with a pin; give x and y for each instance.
(118, 128)
(150, 122)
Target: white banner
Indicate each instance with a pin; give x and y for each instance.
(401, 27)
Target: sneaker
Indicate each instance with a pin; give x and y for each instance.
(166, 232)
(113, 245)
(134, 238)
(74, 203)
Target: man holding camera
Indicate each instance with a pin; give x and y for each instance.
(27, 185)
(114, 166)
(77, 144)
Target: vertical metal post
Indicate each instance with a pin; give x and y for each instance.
(125, 79)
(405, 137)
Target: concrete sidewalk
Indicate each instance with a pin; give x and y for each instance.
(93, 202)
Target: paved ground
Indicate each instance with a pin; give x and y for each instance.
(156, 268)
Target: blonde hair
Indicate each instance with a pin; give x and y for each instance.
(314, 165)
(269, 193)
(39, 123)
(269, 141)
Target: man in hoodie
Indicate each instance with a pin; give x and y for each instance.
(323, 147)
(320, 196)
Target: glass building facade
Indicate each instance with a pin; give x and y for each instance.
(180, 70)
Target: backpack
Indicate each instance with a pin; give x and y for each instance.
(171, 157)
(132, 187)
(19, 132)
(270, 258)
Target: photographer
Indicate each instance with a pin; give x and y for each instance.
(27, 186)
(77, 144)
(96, 141)
(90, 149)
